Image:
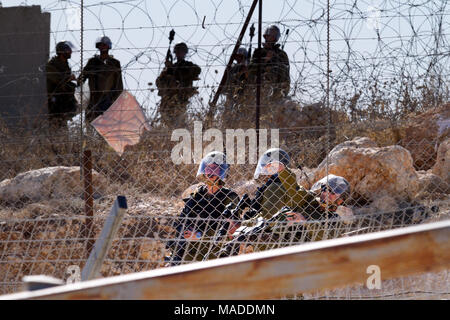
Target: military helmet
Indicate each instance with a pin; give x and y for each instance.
(335, 184)
(106, 40)
(272, 161)
(273, 28)
(182, 46)
(64, 46)
(242, 51)
(213, 164)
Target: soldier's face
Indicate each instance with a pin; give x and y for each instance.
(330, 197)
(239, 58)
(270, 36)
(103, 47)
(67, 54)
(180, 54)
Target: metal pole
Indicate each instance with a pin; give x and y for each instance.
(213, 103)
(88, 198)
(258, 75)
(81, 70)
(104, 241)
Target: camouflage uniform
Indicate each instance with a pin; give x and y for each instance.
(198, 224)
(275, 79)
(236, 94)
(62, 104)
(175, 88)
(105, 84)
(267, 223)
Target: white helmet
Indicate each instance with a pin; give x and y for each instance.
(63, 46)
(106, 40)
(271, 162)
(242, 51)
(213, 164)
(275, 31)
(336, 184)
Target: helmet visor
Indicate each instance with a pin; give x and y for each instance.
(333, 184)
(209, 170)
(268, 168)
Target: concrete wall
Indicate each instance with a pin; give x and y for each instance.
(24, 51)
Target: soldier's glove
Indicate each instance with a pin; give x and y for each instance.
(345, 213)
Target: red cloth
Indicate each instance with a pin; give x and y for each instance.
(123, 123)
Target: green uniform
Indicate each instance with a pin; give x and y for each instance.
(62, 104)
(105, 84)
(270, 226)
(274, 72)
(198, 224)
(175, 88)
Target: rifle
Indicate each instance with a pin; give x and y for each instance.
(169, 57)
(252, 34)
(285, 38)
(232, 214)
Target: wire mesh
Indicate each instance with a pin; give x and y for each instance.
(389, 61)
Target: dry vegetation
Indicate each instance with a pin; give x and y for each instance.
(47, 236)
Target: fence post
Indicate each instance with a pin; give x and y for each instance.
(103, 243)
(258, 76)
(88, 198)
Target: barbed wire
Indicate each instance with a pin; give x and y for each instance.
(348, 22)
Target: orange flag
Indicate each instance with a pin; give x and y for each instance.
(122, 124)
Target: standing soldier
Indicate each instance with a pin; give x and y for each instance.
(105, 79)
(275, 79)
(235, 91)
(175, 87)
(62, 104)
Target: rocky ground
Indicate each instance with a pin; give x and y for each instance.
(42, 222)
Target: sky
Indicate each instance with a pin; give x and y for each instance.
(139, 31)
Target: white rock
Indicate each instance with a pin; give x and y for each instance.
(371, 171)
(442, 166)
(48, 183)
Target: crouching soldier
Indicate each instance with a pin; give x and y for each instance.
(281, 211)
(200, 219)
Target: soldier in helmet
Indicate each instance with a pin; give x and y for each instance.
(175, 87)
(282, 212)
(236, 88)
(204, 209)
(62, 104)
(105, 79)
(274, 67)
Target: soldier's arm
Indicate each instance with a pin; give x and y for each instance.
(53, 75)
(86, 72)
(285, 78)
(119, 83)
(59, 79)
(195, 71)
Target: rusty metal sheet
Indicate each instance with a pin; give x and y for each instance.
(271, 274)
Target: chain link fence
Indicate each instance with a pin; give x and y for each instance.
(385, 130)
(45, 229)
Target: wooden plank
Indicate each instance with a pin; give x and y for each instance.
(271, 274)
(104, 241)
